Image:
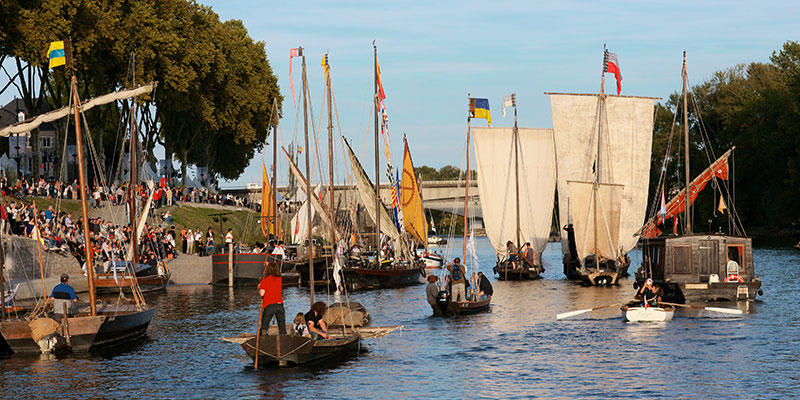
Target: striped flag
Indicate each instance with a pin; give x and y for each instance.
(611, 65)
(56, 54)
(292, 54)
(663, 210)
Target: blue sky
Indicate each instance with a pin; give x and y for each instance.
(432, 54)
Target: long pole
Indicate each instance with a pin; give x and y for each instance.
(310, 251)
(686, 146)
(84, 208)
(274, 227)
(377, 161)
(2, 277)
(516, 161)
(39, 250)
(466, 196)
(132, 185)
(330, 155)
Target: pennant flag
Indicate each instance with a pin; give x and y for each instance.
(56, 54)
(292, 54)
(675, 226)
(722, 207)
(508, 101)
(325, 65)
(381, 93)
(299, 149)
(611, 65)
(663, 210)
(433, 226)
(479, 108)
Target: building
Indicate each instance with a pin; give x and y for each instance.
(20, 151)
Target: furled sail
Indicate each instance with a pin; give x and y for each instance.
(315, 201)
(595, 208)
(411, 200)
(625, 125)
(366, 191)
(54, 115)
(494, 153)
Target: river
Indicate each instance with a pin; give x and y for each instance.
(516, 350)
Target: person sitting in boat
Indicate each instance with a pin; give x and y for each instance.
(648, 293)
(432, 292)
(271, 291)
(299, 326)
(528, 257)
(316, 324)
(513, 254)
(278, 250)
(485, 290)
(458, 280)
(62, 294)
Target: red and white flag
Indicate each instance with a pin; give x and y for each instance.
(612, 66)
(292, 54)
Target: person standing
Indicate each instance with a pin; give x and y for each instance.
(229, 238)
(271, 291)
(189, 241)
(458, 280)
(529, 257)
(432, 292)
(210, 242)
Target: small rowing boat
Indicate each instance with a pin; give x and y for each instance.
(634, 312)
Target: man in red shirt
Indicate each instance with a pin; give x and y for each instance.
(271, 291)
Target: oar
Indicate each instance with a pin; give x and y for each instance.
(715, 309)
(260, 313)
(579, 312)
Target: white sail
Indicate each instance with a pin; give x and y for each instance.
(596, 214)
(300, 220)
(494, 154)
(315, 200)
(625, 146)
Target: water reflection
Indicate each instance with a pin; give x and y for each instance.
(516, 350)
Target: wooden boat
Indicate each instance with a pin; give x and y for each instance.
(365, 277)
(517, 195)
(15, 311)
(94, 327)
(248, 269)
(147, 277)
(694, 267)
(634, 312)
(432, 260)
(603, 148)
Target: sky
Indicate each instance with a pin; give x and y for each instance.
(433, 55)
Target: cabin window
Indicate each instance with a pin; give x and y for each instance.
(735, 252)
(682, 259)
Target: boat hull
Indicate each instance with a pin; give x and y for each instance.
(106, 284)
(369, 278)
(634, 313)
(248, 269)
(506, 273)
(291, 350)
(704, 292)
(433, 261)
(86, 332)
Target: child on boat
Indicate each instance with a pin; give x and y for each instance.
(299, 326)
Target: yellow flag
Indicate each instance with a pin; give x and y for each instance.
(411, 201)
(56, 54)
(722, 207)
(325, 64)
(268, 221)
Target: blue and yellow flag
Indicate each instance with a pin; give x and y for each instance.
(479, 108)
(56, 54)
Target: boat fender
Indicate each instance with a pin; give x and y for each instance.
(733, 278)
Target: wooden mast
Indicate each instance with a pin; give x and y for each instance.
(84, 209)
(274, 188)
(516, 162)
(2, 278)
(132, 177)
(330, 154)
(466, 190)
(686, 146)
(310, 249)
(377, 160)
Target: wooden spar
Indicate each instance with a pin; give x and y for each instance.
(516, 165)
(330, 154)
(377, 160)
(466, 193)
(2, 278)
(274, 188)
(39, 250)
(684, 78)
(310, 248)
(87, 239)
(132, 185)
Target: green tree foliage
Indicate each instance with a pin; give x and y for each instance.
(446, 173)
(216, 87)
(755, 107)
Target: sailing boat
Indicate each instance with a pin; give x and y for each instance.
(96, 327)
(689, 267)
(414, 211)
(502, 180)
(603, 148)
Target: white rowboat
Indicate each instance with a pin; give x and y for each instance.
(635, 313)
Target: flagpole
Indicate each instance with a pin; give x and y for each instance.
(686, 145)
(330, 152)
(516, 161)
(310, 246)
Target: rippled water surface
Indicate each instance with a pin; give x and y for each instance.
(517, 350)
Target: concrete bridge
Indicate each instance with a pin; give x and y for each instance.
(445, 196)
